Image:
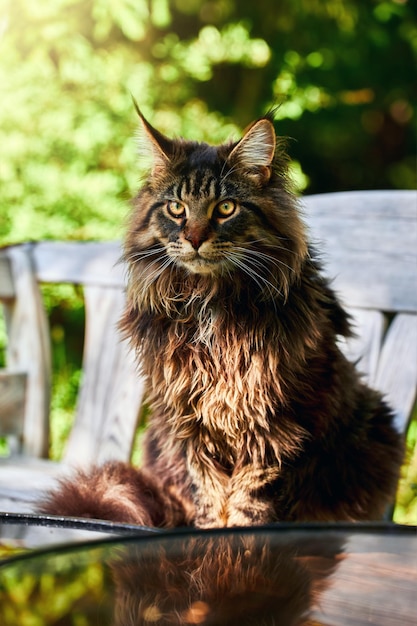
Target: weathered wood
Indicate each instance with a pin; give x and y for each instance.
(28, 350)
(124, 408)
(6, 279)
(12, 403)
(389, 363)
(397, 369)
(369, 245)
(111, 393)
(364, 348)
(87, 263)
(25, 480)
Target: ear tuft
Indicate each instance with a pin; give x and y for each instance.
(152, 144)
(255, 151)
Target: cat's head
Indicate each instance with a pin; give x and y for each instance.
(223, 213)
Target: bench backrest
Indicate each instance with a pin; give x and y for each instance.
(369, 244)
(111, 391)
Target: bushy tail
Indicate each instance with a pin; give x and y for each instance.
(115, 492)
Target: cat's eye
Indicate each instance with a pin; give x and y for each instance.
(176, 209)
(225, 208)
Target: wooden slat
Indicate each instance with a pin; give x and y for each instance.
(6, 279)
(28, 349)
(87, 263)
(98, 362)
(397, 370)
(111, 392)
(25, 480)
(364, 348)
(12, 402)
(124, 408)
(369, 245)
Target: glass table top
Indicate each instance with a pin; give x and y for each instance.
(97, 574)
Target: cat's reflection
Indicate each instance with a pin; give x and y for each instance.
(236, 580)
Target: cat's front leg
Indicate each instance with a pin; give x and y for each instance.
(248, 503)
(210, 488)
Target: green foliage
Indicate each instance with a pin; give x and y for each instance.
(406, 507)
(343, 72)
(63, 592)
(65, 307)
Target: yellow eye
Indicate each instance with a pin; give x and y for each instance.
(225, 208)
(176, 209)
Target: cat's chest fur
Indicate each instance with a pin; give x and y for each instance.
(217, 383)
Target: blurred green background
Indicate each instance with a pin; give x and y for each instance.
(342, 71)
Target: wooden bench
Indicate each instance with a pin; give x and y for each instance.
(369, 244)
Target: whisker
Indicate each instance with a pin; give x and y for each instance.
(223, 175)
(230, 171)
(259, 266)
(248, 266)
(270, 258)
(150, 278)
(272, 246)
(239, 263)
(264, 262)
(143, 254)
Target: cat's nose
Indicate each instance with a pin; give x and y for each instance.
(196, 236)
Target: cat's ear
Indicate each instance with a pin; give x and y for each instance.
(254, 153)
(153, 145)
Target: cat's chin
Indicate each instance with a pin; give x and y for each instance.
(201, 267)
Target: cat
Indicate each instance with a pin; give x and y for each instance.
(256, 415)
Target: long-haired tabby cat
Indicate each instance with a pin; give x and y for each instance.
(256, 414)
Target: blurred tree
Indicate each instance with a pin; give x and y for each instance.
(342, 70)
